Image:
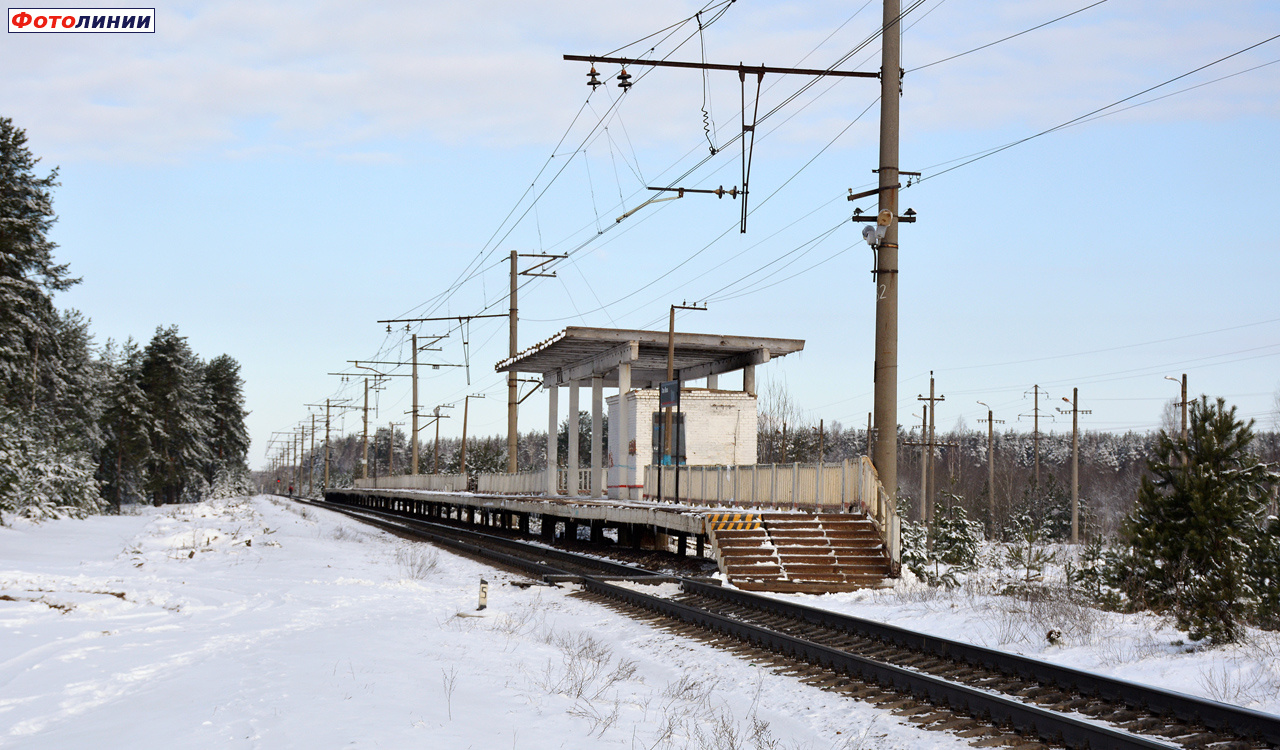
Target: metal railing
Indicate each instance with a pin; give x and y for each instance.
(849, 486)
(532, 482)
(437, 482)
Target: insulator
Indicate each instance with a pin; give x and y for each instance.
(593, 79)
(624, 80)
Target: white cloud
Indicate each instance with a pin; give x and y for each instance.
(239, 78)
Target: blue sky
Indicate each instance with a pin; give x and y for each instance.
(275, 178)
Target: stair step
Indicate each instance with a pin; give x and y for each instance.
(805, 553)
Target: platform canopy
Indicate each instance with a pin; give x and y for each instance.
(578, 353)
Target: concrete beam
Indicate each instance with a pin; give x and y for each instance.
(598, 365)
(728, 364)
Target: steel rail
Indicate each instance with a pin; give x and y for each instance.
(1217, 716)
(1026, 718)
(445, 535)
(1234, 720)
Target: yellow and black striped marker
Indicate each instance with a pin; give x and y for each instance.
(733, 521)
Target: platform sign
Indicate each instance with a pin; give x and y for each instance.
(669, 394)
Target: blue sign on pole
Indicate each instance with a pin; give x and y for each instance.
(669, 394)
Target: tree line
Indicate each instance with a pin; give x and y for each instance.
(85, 428)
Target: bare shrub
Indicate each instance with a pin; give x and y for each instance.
(1241, 684)
(450, 679)
(416, 560)
(343, 534)
(584, 672)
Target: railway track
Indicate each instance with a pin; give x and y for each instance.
(993, 697)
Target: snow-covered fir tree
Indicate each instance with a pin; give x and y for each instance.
(1199, 522)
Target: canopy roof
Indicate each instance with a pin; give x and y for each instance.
(578, 353)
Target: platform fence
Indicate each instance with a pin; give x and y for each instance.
(437, 482)
(851, 485)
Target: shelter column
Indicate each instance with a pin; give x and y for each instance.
(713, 382)
(574, 432)
(553, 456)
(622, 450)
(749, 379)
(597, 439)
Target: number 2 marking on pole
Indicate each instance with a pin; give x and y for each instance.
(883, 288)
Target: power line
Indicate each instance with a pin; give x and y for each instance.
(1005, 39)
(1118, 102)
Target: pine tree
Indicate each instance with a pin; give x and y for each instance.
(1196, 523)
(124, 425)
(228, 436)
(177, 406)
(28, 274)
(956, 538)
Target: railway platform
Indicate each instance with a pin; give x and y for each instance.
(755, 550)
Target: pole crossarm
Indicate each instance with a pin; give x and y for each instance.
(544, 260)
(739, 68)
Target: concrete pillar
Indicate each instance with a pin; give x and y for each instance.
(702, 539)
(573, 438)
(553, 448)
(571, 531)
(597, 531)
(621, 452)
(749, 379)
(524, 524)
(548, 527)
(713, 382)
(682, 544)
(597, 439)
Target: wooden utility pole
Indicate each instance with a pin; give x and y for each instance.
(1184, 407)
(391, 447)
(413, 466)
(513, 383)
(466, 407)
(328, 409)
(326, 444)
(513, 388)
(1183, 404)
(1035, 429)
(924, 452)
(870, 431)
(991, 469)
(886, 271)
(299, 436)
(311, 469)
(438, 416)
(927, 473)
(671, 368)
(1075, 411)
(365, 473)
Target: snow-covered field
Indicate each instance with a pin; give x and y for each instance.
(253, 623)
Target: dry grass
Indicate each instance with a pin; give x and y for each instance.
(417, 561)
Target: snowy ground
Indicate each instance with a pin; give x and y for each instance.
(1140, 648)
(253, 623)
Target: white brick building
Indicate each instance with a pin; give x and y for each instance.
(720, 429)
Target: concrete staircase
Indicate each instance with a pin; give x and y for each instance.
(799, 552)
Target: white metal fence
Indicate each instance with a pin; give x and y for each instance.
(438, 482)
(532, 482)
(524, 483)
(851, 484)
